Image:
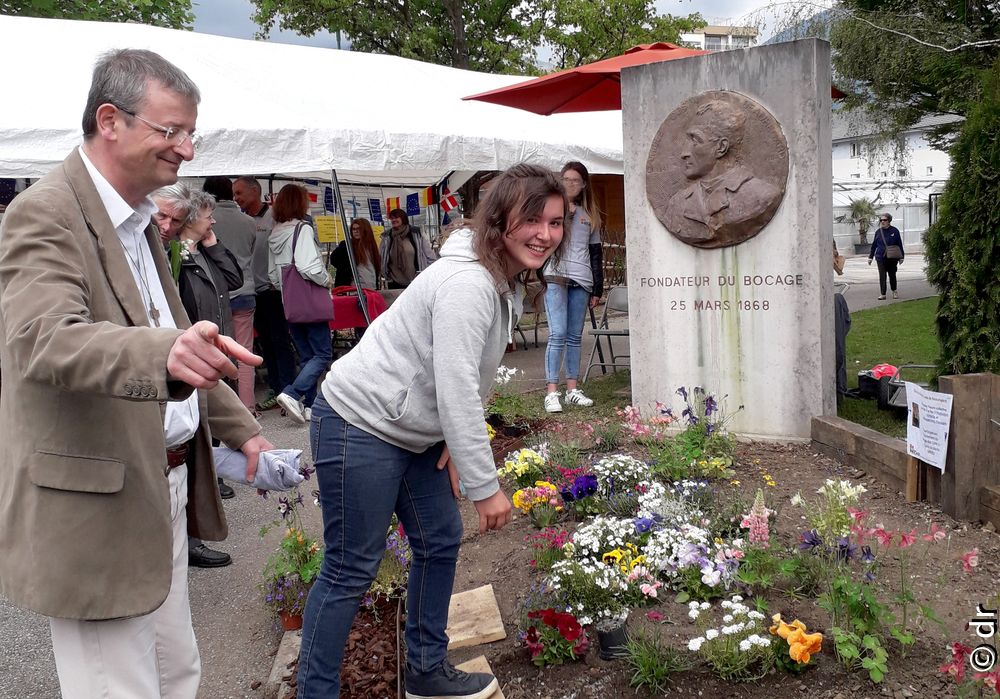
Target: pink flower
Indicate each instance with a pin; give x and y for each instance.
(907, 540)
(884, 537)
(655, 616)
(857, 515)
(970, 559)
(956, 668)
(935, 534)
(649, 590)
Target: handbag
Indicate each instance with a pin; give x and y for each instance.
(304, 301)
(892, 252)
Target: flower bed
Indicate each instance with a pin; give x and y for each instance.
(856, 591)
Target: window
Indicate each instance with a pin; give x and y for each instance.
(901, 172)
(855, 149)
(713, 42)
(930, 169)
(739, 42)
(856, 175)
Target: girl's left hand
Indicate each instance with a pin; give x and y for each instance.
(446, 462)
(594, 300)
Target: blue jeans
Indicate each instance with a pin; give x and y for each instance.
(362, 481)
(312, 340)
(566, 309)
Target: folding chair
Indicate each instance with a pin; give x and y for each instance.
(617, 303)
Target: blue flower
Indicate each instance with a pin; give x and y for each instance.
(644, 524)
(682, 392)
(809, 540)
(870, 576)
(584, 486)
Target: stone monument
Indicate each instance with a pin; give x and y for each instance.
(728, 181)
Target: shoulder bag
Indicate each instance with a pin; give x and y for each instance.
(892, 252)
(304, 300)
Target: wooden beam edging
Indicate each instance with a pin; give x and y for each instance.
(862, 448)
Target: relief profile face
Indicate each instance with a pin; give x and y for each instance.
(717, 169)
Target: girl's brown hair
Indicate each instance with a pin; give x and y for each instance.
(585, 198)
(365, 249)
(291, 203)
(516, 195)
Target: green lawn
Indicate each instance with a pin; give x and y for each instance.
(899, 333)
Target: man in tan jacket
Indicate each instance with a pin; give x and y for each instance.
(106, 465)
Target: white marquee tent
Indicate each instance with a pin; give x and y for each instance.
(272, 108)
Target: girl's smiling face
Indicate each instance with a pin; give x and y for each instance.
(530, 243)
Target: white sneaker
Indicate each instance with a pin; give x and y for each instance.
(895, 295)
(552, 404)
(292, 407)
(576, 397)
(307, 413)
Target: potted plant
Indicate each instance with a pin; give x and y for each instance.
(862, 212)
(292, 567)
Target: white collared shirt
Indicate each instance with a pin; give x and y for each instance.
(181, 421)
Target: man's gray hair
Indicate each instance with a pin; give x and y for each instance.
(121, 77)
(197, 202)
(249, 181)
(177, 197)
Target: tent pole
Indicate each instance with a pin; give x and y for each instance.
(362, 300)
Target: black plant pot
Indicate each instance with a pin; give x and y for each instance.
(613, 643)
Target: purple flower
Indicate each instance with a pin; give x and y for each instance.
(809, 540)
(298, 498)
(682, 392)
(710, 405)
(870, 576)
(845, 549)
(306, 472)
(866, 554)
(583, 486)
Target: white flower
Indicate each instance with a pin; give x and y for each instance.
(737, 599)
(711, 578)
(755, 615)
(693, 604)
(694, 613)
(704, 606)
(745, 645)
(711, 633)
(728, 619)
(695, 644)
(798, 500)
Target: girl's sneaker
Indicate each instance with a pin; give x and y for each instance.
(576, 397)
(552, 404)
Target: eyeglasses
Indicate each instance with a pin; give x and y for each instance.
(883, 220)
(571, 180)
(170, 133)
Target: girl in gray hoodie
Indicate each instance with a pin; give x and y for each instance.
(400, 421)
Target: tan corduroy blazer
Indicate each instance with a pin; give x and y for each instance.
(85, 529)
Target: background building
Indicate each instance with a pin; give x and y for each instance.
(720, 38)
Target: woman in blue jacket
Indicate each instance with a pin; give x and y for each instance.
(887, 235)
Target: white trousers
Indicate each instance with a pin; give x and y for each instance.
(154, 656)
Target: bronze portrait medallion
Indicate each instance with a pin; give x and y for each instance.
(717, 169)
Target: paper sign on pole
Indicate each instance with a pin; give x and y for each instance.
(329, 229)
(928, 420)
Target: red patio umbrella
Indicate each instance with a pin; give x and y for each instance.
(593, 87)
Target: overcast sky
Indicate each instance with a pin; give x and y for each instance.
(232, 17)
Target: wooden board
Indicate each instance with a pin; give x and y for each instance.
(474, 618)
(480, 664)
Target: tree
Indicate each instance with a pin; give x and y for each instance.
(583, 31)
(497, 36)
(901, 60)
(175, 14)
(963, 245)
(485, 35)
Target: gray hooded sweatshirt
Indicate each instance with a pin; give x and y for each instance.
(424, 368)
